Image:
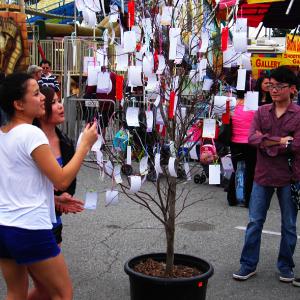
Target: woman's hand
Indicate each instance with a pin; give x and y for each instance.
(65, 203)
(89, 135)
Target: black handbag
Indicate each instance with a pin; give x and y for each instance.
(295, 186)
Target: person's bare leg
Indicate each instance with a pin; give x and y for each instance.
(53, 275)
(38, 292)
(16, 278)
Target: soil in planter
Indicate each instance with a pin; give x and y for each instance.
(154, 268)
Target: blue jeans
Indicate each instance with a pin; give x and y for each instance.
(259, 205)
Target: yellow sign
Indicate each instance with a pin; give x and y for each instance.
(262, 1)
(292, 45)
(268, 63)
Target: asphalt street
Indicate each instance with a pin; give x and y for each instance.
(96, 244)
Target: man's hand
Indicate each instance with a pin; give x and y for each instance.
(284, 140)
(65, 203)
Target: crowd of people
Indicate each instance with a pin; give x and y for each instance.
(32, 144)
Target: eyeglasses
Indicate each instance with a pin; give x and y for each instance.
(277, 87)
(46, 68)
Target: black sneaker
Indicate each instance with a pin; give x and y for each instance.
(243, 274)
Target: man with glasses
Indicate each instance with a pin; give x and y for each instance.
(48, 79)
(275, 132)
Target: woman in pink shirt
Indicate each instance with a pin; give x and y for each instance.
(241, 150)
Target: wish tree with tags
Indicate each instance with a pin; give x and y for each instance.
(174, 91)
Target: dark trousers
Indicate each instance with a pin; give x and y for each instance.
(246, 153)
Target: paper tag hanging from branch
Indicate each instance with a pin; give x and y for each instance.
(172, 105)
(224, 38)
(131, 12)
(119, 87)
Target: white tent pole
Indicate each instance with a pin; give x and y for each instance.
(289, 7)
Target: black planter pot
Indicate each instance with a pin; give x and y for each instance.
(143, 287)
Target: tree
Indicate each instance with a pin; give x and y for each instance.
(185, 39)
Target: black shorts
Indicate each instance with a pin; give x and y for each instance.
(57, 232)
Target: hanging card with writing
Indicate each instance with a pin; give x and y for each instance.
(129, 41)
(214, 176)
(241, 80)
(251, 101)
(144, 165)
(135, 183)
(172, 167)
(132, 116)
(91, 199)
(149, 120)
(209, 128)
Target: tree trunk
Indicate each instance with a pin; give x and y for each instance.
(170, 227)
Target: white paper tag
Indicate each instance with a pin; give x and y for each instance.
(204, 41)
(157, 101)
(214, 172)
(193, 153)
(209, 128)
(187, 171)
(207, 83)
(117, 174)
(93, 75)
(91, 199)
(135, 76)
(227, 163)
(241, 80)
(128, 156)
(171, 167)
(135, 183)
(132, 116)
(166, 16)
(144, 165)
(157, 166)
(111, 197)
(79, 140)
(129, 41)
(251, 101)
(109, 168)
(98, 144)
(149, 118)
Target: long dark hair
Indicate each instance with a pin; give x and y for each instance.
(258, 88)
(12, 88)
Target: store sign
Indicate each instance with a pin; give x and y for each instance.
(268, 63)
(292, 44)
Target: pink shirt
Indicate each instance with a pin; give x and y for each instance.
(241, 123)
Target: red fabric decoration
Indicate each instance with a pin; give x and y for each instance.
(171, 105)
(41, 52)
(155, 56)
(161, 129)
(224, 38)
(226, 115)
(130, 14)
(119, 87)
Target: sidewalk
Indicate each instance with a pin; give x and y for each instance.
(97, 243)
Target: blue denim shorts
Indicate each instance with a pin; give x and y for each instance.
(27, 246)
